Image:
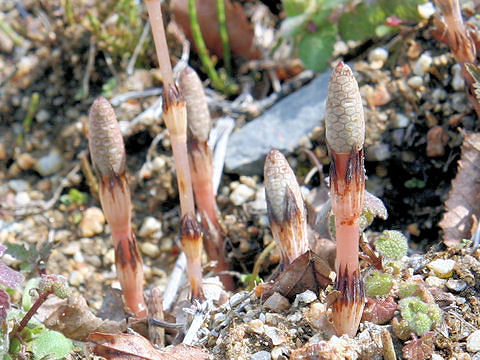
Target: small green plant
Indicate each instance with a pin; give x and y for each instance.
(414, 183)
(315, 25)
(378, 283)
(392, 245)
(418, 316)
(21, 335)
(116, 26)
(74, 197)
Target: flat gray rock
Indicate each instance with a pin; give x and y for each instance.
(281, 127)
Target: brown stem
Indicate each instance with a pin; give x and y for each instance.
(36, 305)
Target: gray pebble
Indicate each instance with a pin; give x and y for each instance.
(456, 285)
(261, 355)
(473, 341)
(281, 127)
(18, 185)
(49, 164)
(377, 152)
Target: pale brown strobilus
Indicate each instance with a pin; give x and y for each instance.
(201, 167)
(107, 151)
(345, 134)
(175, 117)
(285, 207)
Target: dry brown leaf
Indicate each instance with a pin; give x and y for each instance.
(379, 311)
(240, 31)
(307, 272)
(135, 347)
(419, 349)
(74, 319)
(463, 200)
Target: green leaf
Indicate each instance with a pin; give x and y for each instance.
(315, 49)
(51, 343)
(360, 23)
(295, 7)
(406, 10)
(20, 251)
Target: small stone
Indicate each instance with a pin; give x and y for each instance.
(378, 152)
(458, 83)
(435, 282)
(63, 235)
(400, 121)
(306, 297)
(150, 249)
(248, 180)
(25, 161)
(437, 357)
(241, 194)
(277, 302)
(256, 326)
(437, 139)
(18, 185)
(71, 248)
(415, 82)
(443, 268)
(150, 226)
(275, 335)
(92, 222)
(22, 198)
(42, 115)
(49, 164)
(473, 341)
(277, 352)
(377, 57)
(456, 285)
(76, 278)
(426, 10)
(261, 355)
(422, 65)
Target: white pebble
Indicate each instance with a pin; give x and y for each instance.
(76, 278)
(18, 185)
(437, 357)
(241, 194)
(443, 268)
(261, 355)
(274, 334)
(422, 65)
(426, 10)
(22, 198)
(49, 164)
(473, 341)
(438, 95)
(92, 222)
(149, 249)
(306, 297)
(256, 326)
(400, 121)
(415, 82)
(278, 351)
(435, 282)
(42, 115)
(378, 152)
(458, 83)
(378, 54)
(150, 225)
(456, 285)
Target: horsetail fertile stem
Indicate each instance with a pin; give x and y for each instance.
(156, 21)
(285, 207)
(191, 239)
(201, 167)
(108, 156)
(345, 134)
(175, 117)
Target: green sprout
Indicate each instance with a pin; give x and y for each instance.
(378, 283)
(419, 315)
(74, 197)
(392, 245)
